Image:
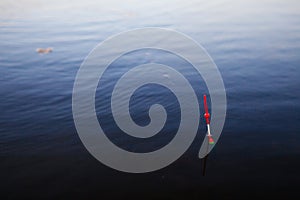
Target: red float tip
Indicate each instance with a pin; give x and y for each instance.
(206, 115)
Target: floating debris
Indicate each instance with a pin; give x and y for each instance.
(44, 51)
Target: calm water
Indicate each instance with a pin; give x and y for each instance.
(255, 44)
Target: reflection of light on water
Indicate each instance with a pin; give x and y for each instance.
(166, 75)
(16, 9)
(22, 8)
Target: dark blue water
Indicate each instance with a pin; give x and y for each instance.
(255, 44)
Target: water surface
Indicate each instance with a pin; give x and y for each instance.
(255, 44)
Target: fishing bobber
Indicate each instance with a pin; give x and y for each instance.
(207, 116)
